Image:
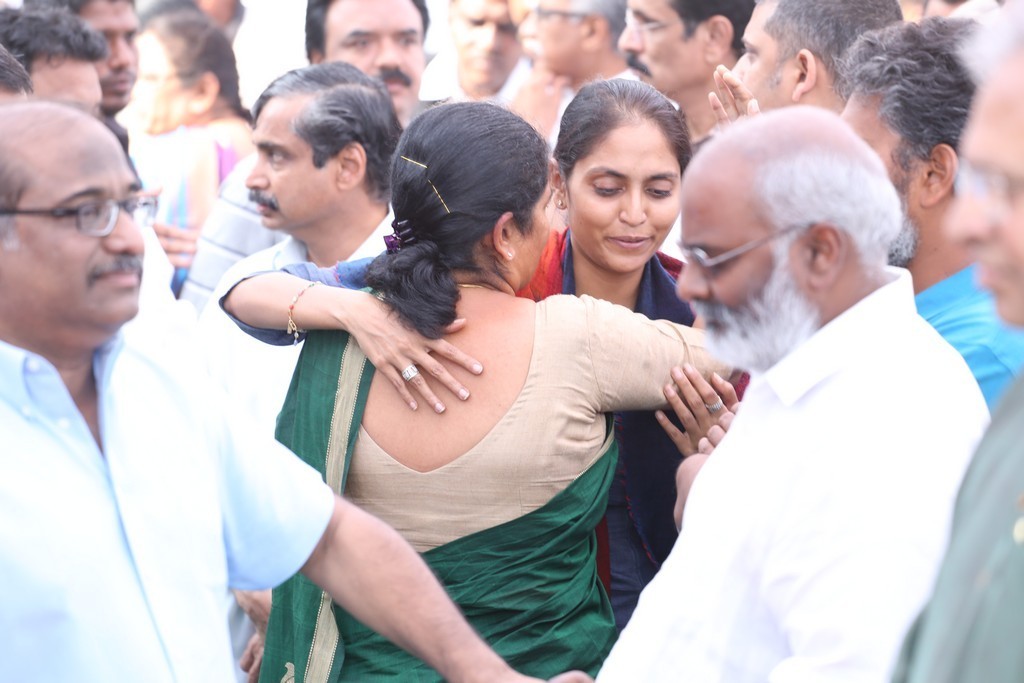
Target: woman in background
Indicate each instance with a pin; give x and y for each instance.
(188, 126)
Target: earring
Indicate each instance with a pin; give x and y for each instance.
(560, 204)
(508, 255)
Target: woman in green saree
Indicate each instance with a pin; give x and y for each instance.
(500, 493)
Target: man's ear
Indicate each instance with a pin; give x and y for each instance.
(719, 33)
(818, 255)
(940, 174)
(350, 166)
(502, 238)
(811, 73)
(316, 57)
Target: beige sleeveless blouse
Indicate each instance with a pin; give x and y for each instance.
(589, 357)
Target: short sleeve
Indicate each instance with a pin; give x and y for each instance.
(275, 508)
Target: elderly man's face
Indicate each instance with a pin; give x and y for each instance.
(560, 30)
(988, 214)
(752, 307)
(382, 38)
(117, 21)
(486, 43)
(78, 288)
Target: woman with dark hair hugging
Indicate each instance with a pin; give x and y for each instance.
(501, 493)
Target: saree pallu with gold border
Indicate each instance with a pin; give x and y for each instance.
(528, 586)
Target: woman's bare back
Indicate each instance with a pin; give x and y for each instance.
(499, 332)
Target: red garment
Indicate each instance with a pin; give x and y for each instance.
(549, 276)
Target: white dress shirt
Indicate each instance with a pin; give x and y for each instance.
(812, 535)
(114, 564)
(256, 375)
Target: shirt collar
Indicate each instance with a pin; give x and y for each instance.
(18, 364)
(291, 250)
(844, 339)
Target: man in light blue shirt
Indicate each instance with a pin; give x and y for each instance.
(908, 97)
(130, 497)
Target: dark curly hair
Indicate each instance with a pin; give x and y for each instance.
(49, 35)
(924, 90)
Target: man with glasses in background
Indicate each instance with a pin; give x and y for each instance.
(576, 42)
(811, 536)
(132, 496)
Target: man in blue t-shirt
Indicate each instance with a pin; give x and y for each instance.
(908, 97)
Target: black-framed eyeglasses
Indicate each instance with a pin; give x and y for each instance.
(544, 13)
(97, 219)
(698, 257)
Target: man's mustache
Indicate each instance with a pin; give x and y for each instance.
(124, 263)
(389, 74)
(263, 199)
(636, 65)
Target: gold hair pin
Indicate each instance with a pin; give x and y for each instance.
(424, 167)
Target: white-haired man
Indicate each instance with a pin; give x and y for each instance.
(812, 534)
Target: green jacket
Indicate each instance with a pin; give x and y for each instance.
(972, 630)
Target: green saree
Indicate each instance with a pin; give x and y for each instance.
(528, 586)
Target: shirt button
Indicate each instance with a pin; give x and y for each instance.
(64, 423)
(26, 411)
(32, 365)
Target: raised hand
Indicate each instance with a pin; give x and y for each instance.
(731, 99)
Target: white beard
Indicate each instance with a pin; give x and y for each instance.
(766, 329)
